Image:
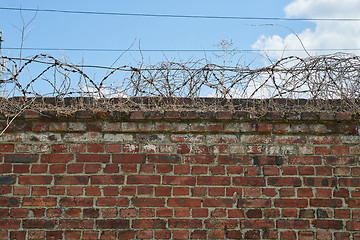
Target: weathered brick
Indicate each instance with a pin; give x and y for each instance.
(162, 158)
(71, 180)
(102, 158)
(39, 223)
(112, 202)
(249, 181)
(185, 223)
(148, 223)
(112, 224)
(148, 202)
(184, 202)
(145, 179)
(128, 158)
(21, 158)
(7, 180)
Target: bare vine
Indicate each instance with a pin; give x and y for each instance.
(315, 78)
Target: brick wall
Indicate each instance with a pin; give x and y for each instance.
(180, 175)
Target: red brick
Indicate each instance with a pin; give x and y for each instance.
(259, 223)
(148, 202)
(9, 224)
(328, 224)
(181, 169)
(304, 160)
(102, 158)
(39, 201)
(18, 213)
(179, 180)
(162, 234)
(18, 235)
(254, 203)
(147, 168)
(218, 202)
(145, 190)
(254, 213)
(213, 181)
(326, 203)
(107, 179)
(284, 181)
(75, 168)
(76, 224)
(181, 191)
(124, 213)
(249, 181)
(164, 212)
(184, 202)
(76, 202)
(71, 180)
(143, 179)
(148, 223)
(7, 147)
(234, 234)
(108, 202)
(21, 169)
(146, 212)
(164, 158)
(35, 180)
(180, 234)
(181, 212)
(39, 223)
(112, 224)
(199, 159)
(333, 160)
(95, 147)
(57, 168)
(241, 160)
(164, 168)
(252, 234)
(293, 224)
(306, 170)
(21, 190)
(129, 158)
(185, 223)
(200, 170)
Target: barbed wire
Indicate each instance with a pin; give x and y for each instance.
(319, 79)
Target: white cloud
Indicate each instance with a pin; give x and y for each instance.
(326, 34)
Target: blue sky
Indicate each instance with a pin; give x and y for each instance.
(56, 30)
(63, 31)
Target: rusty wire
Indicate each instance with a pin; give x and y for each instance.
(319, 79)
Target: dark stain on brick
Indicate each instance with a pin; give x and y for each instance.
(35, 139)
(82, 179)
(52, 138)
(7, 180)
(334, 182)
(310, 181)
(297, 182)
(355, 182)
(278, 160)
(149, 137)
(321, 214)
(325, 182)
(19, 158)
(48, 224)
(306, 213)
(256, 160)
(274, 181)
(14, 201)
(247, 224)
